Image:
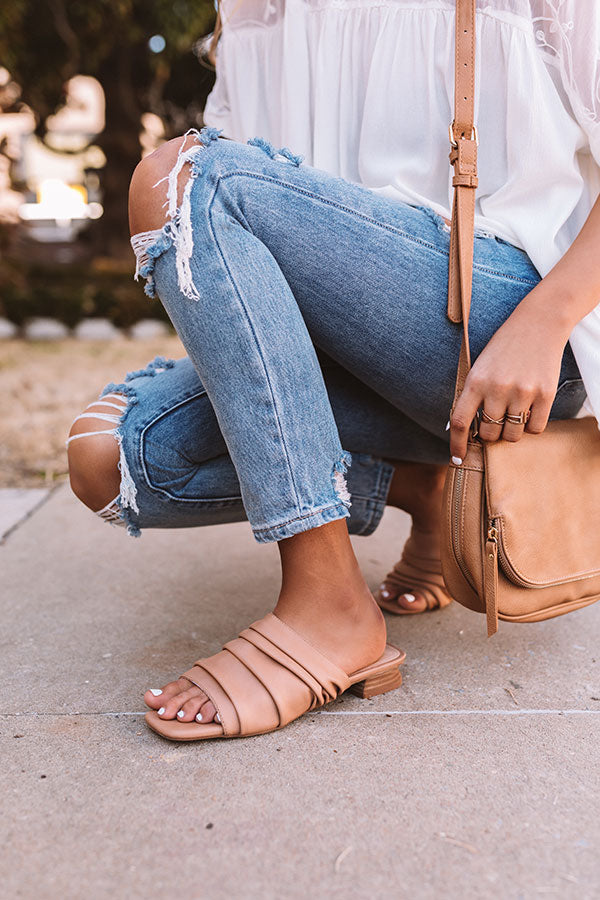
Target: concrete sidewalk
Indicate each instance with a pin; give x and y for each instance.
(478, 778)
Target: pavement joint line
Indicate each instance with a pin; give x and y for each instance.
(325, 712)
(51, 489)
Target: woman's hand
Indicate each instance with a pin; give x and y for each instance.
(520, 367)
(517, 371)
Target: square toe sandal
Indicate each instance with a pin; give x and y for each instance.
(269, 676)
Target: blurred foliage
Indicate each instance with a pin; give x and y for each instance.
(71, 293)
(43, 43)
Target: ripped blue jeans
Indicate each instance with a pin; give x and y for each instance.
(314, 317)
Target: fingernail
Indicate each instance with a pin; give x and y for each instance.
(180, 714)
(156, 692)
(218, 718)
(199, 717)
(161, 710)
(457, 460)
(410, 598)
(448, 425)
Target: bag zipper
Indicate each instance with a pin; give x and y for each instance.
(459, 478)
(490, 579)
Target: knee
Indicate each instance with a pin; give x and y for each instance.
(146, 197)
(93, 461)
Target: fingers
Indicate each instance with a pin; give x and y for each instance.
(540, 413)
(498, 409)
(461, 419)
(492, 431)
(513, 431)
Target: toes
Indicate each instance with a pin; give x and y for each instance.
(171, 707)
(198, 709)
(155, 698)
(181, 700)
(191, 708)
(207, 713)
(412, 602)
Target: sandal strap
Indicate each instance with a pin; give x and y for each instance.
(266, 677)
(423, 574)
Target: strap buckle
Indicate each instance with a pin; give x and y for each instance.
(474, 135)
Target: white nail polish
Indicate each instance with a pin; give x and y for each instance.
(448, 425)
(155, 692)
(457, 460)
(410, 598)
(161, 710)
(385, 593)
(199, 717)
(180, 714)
(217, 718)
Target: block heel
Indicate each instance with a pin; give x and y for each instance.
(377, 684)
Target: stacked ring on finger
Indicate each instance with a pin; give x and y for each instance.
(485, 417)
(521, 419)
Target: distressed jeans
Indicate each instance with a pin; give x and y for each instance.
(313, 312)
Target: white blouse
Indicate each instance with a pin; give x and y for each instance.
(365, 89)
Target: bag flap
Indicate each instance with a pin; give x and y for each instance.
(545, 492)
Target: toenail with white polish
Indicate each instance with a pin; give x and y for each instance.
(199, 717)
(410, 598)
(161, 710)
(155, 692)
(457, 460)
(385, 593)
(180, 714)
(217, 718)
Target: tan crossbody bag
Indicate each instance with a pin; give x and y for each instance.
(521, 521)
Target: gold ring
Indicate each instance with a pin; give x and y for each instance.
(521, 419)
(490, 421)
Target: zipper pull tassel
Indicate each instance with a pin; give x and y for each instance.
(490, 580)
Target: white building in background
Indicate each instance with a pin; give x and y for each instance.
(15, 128)
(61, 188)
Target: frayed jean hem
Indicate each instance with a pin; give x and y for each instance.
(303, 523)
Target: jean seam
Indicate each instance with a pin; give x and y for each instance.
(384, 226)
(256, 341)
(299, 518)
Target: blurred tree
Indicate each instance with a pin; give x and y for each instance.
(43, 43)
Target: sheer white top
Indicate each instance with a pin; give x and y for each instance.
(365, 90)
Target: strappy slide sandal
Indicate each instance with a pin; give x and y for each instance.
(414, 574)
(269, 676)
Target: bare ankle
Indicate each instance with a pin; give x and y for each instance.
(417, 488)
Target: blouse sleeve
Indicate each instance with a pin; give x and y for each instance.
(217, 111)
(568, 34)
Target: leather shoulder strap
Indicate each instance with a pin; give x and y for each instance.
(463, 156)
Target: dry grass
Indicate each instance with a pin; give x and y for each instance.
(43, 386)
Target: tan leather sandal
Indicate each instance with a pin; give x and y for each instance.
(269, 676)
(414, 574)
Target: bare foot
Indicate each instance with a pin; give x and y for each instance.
(417, 488)
(323, 597)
